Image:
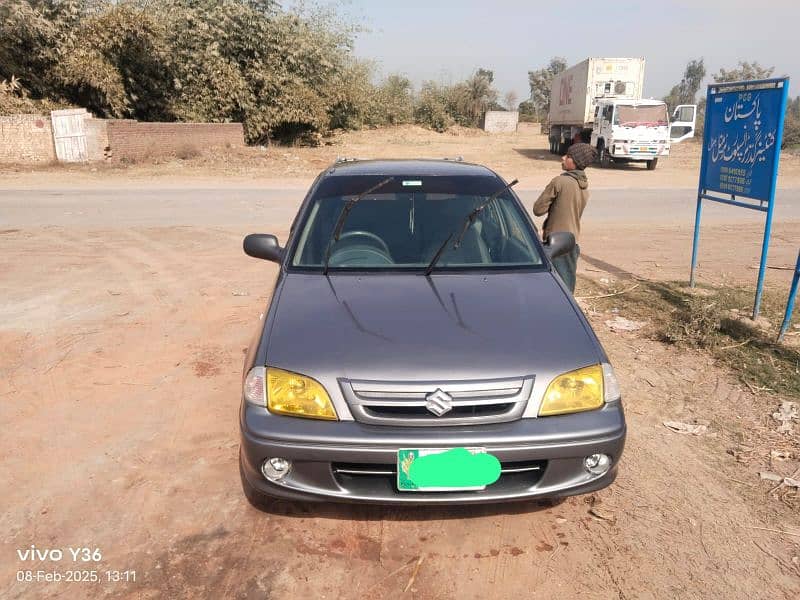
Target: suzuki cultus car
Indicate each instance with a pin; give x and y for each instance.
(419, 348)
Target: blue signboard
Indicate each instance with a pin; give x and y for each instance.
(741, 150)
(740, 141)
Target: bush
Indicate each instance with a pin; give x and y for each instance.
(395, 101)
(14, 100)
(696, 325)
(431, 109)
(527, 112)
(285, 74)
(791, 132)
(233, 60)
(187, 151)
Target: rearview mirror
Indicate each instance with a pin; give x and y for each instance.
(558, 244)
(263, 245)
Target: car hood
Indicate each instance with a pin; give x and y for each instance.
(398, 327)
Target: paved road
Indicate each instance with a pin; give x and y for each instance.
(237, 206)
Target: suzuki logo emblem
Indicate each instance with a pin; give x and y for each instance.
(439, 402)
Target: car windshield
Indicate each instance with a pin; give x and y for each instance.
(403, 223)
(652, 115)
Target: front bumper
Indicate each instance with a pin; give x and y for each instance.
(639, 151)
(319, 449)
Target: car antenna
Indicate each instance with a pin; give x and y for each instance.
(337, 231)
(469, 220)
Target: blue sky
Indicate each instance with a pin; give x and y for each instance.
(447, 40)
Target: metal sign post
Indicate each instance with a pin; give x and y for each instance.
(790, 304)
(741, 150)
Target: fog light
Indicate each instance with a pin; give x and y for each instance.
(276, 468)
(597, 464)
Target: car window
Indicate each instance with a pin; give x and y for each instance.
(516, 230)
(402, 227)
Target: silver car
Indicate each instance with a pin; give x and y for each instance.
(419, 348)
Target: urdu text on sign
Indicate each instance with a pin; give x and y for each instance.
(740, 142)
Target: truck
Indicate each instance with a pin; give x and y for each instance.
(599, 101)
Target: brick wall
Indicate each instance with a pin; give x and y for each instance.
(26, 138)
(132, 140)
(97, 138)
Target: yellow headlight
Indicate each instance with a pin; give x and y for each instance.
(573, 392)
(297, 395)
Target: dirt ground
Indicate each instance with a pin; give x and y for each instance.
(119, 390)
(522, 155)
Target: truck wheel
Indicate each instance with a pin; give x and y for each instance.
(651, 164)
(604, 158)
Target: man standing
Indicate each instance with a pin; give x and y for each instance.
(563, 201)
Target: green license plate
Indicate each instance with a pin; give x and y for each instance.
(445, 469)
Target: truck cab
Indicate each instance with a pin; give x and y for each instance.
(627, 130)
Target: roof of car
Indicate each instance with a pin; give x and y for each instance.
(415, 167)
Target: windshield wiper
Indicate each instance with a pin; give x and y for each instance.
(468, 221)
(337, 231)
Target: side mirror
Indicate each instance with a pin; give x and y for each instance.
(559, 243)
(263, 245)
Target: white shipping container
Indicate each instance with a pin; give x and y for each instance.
(573, 92)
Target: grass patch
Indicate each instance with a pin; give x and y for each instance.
(187, 151)
(715, 320)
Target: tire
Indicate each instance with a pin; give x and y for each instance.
(256, 499)
(651, 164)
(550, 502)
(603, 157)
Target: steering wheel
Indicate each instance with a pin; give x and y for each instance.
(359, 256)
(367, 235)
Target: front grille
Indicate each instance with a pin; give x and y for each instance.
(472, 410)
(467, 402)
(514, 475)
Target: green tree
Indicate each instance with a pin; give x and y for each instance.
(286, 75)
(540, 82)
(14, 99)
(432, 107)
(791, 127)
(395, 101)
(115, 64)
(235, 61)
(686, 91)
(352, 99)
(746, 71)
(486, 74)
(34, 37)
(510, 100)
(473, 98)
(282, 74)
(527, 112)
